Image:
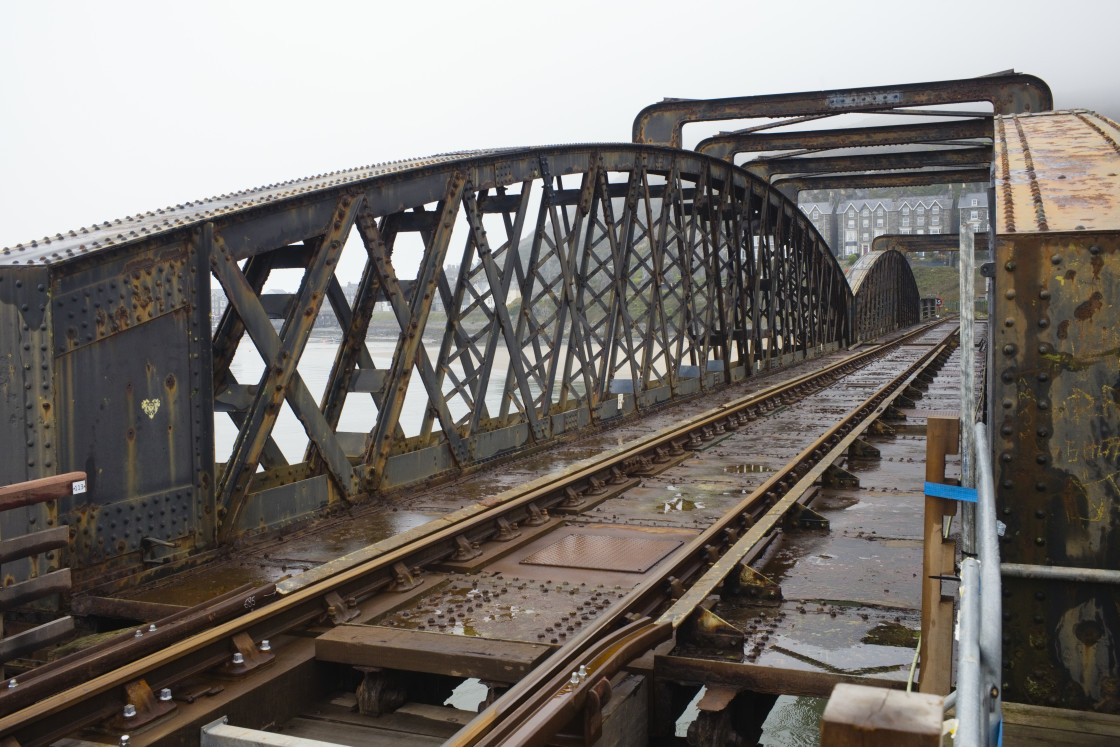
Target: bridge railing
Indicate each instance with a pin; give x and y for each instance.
(979, 645)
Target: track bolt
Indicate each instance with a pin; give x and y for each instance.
(165, 695)
(12, 684)
(238, 658)
(138, 634)
(124, 740)
(130, 711)
(575, 679)
(582, 671)
(152, 628)
(265, 646)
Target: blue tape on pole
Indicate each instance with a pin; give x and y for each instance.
(953, 492)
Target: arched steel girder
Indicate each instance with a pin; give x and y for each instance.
(591, 281)
(885, 294)
(662, 123)
(727, 145)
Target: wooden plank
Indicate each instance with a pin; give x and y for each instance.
(432, 653)
(936, 649)
(871, 716)
(28, 641)
(1041, 725)
(55, 582)
(37, 491)
(758, 678)
(34, 543)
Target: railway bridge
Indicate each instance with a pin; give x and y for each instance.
(567, 467)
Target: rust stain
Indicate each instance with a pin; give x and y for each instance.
(1063, 330)
(1085, 311)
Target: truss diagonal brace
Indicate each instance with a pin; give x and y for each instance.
(280, 380)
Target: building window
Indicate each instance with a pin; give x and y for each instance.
(935, 230)
(975, 213)
(866, 222)
(921, 210)
(936, 209)
(906, 222)
(851, 222)
(921, 230)
(849, 236)
(866, 236)
(878, 221)
(906, 231)
(975, 202)
(921, 220)
(879, 212)
(934, 219)
(906, 210)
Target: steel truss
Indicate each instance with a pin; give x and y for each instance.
(610, 279)
(886, 294)
(592, 282)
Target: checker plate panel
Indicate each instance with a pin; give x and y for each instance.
(604, 553)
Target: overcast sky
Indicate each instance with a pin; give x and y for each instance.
(112, 108)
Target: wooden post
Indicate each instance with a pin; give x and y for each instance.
(938, 556)
(873, 716)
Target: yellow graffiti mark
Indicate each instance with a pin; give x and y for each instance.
(1110, 395)
(1107, 449)
(1077, 403)
(1100, 506)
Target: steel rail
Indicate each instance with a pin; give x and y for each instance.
(74, 706)
(537, 702)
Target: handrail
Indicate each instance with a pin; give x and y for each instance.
(979, 649)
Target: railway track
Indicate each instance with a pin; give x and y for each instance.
(92, 687)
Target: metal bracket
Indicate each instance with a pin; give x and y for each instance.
(403, 579)
(803, 517)
(537, 516)
(465, 549)
(860, 449)
(143, 707)
(337, 609)
(705, 628)
(506, 530)
(572, 499)
(747, 582)
(838, 477)
(247, 656)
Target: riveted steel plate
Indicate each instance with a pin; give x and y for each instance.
(604, 553)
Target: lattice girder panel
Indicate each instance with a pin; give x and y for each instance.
(548, 315)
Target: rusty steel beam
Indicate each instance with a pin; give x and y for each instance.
(938, 242)
(948, 157)
(792, 185)
(727, 144)
(662, 123)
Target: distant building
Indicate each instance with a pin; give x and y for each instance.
(862, 221)
(928, 215)
(850, 226)
(820, 215)
(972, 209)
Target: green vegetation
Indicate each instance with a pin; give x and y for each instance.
(939, 281)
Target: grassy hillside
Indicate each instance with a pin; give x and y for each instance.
(944, 282)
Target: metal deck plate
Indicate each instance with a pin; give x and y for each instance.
(604, 553)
